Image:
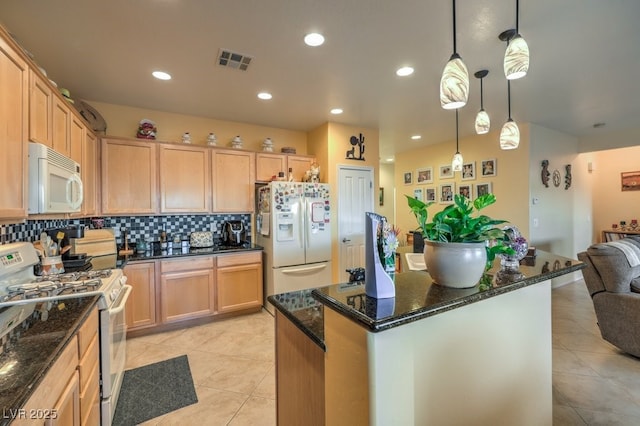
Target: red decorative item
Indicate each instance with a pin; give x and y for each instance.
(147, 129)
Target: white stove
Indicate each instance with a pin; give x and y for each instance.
(21, 291)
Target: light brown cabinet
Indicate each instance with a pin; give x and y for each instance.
(89, 371)
(129, 179)
(14, 87)
(233, 174)
(239, 281)
(140, 310)
(40, 108)
(58, 393)
(89, 172)
(185, 180)
(61, 126)
(269, 165)
(187, 288)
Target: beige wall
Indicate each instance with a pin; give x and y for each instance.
(510, 185)
(387, 176)
(610, 204)
(123, 121)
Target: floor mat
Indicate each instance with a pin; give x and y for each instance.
(153, 390)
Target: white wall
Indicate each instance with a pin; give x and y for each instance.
(387, 182)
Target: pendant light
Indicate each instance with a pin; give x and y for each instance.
(516, 57)
(510, 134)
(483, 123)
(456, 162)
(454, 84)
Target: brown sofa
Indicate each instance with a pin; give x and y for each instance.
(614, 286)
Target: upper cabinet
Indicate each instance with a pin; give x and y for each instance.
(269, 165)
(61, 124)
(14, 83)
(129, 180)
(89, 172)
(185, 180)
(233, 180)
(40, 109)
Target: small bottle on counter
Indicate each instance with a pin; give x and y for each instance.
(290, 174)
(163, 238)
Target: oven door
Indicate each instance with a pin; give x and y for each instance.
(113, 335)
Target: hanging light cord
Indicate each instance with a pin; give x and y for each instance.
(517, 14)
(457, 150)
(509, 97)
(481, 96)
(454, 27)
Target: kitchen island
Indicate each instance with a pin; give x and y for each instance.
(431, 355)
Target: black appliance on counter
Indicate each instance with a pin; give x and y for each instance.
(233, 233)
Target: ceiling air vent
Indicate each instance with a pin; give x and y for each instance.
(229, 59)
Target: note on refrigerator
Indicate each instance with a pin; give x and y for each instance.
(265, 223)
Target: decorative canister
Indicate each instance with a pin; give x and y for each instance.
(236, 142)
(212, 140)
(186, 137)
(267, 145)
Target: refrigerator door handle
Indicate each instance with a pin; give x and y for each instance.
(302, 270)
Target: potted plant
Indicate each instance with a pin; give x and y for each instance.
(457, 249)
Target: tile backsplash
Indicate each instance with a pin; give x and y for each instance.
(147, 227)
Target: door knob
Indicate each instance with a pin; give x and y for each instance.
(344, 240)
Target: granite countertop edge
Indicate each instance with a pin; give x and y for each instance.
(123, 260)
(26, 392)
(396, 321)
(318, 340)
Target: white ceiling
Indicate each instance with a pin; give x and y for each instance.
(585, 60)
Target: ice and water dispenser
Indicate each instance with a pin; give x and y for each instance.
(284, 228)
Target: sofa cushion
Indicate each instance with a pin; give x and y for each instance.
(613, 266)
(635, 285)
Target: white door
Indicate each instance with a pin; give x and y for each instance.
(355, 198)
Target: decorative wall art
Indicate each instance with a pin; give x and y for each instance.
(417, 194)
(469, 171)
(483, 188)
(424, 176)
(408, 178)
(544, 174)
(489, 167)
(381, 196)
(446, 171)
(430, 194)
(445, 193)
(359, 142)
(556, 178)
(567, 176)
(630, 181)
(466, 190)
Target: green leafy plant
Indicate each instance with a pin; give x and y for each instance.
(460, 223)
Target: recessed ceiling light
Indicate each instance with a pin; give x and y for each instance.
(416, 137)
(314, 39)
(404, 71)
(265, 95)
(336, 111)
(161, 75)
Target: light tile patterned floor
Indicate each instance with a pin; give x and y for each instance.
(232, 362)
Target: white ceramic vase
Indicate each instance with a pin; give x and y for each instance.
(456, 265)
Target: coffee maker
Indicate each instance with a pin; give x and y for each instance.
(233, 233)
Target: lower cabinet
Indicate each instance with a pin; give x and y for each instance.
(140, 311)
(239, 281)
(187, 288)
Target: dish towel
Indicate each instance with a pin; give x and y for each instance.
(630, 250)
(265, 223)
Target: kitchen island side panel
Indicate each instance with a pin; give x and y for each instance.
(484, 364)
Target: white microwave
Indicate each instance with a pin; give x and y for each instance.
(54, 181)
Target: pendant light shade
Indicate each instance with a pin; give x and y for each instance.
(454, 84)
(516, 57)
(456, 162)
(483, 122)
(510, 133)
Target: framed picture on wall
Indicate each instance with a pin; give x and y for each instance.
(630, 181)
(430, 194)
(445, 193)
(483, 188)
(446, 171)
(489, 167)
(417, 194)
(469, 171)
(424, 176)
(466, 190)
(408, 178)
(381, 196)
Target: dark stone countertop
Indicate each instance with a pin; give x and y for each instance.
(28, 358)
(417, 297)
(171, 253)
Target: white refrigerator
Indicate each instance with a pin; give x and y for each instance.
(293, 226)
